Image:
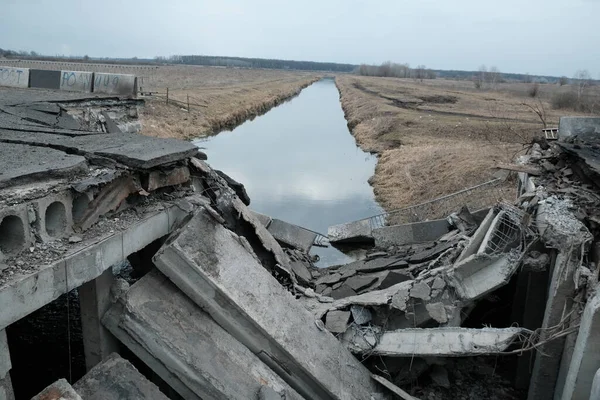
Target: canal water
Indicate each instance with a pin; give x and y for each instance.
(299, 163)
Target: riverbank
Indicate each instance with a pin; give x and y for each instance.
(221, 98)
(436, 137)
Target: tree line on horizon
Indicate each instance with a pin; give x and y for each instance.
(388, 69)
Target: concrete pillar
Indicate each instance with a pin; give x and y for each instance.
(595, 393)
(585, 360)
(94, 300)
(559, 302)
(528, 310)
(6, 390)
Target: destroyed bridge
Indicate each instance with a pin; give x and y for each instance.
(176, 289)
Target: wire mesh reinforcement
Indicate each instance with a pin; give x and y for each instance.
(475, 198)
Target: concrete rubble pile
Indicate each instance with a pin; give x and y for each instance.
(412, 297)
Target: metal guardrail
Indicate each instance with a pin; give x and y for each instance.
(475, 197)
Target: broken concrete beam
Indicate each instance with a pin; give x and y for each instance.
(59, 390)
(158, 179)
(352, 232)
(586, 357)
(480, 274)
(475, 241)
(292, 235)
(180, 342)
(447, 341)
(115, 379)
(418, 232)
(214, 268)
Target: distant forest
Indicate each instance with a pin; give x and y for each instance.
(385, 69)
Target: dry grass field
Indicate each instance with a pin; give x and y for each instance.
(221, 98)
(439, 136)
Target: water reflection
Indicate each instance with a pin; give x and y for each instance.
(300, 164)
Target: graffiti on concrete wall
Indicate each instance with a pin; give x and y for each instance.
(13, 76)
(72, 78)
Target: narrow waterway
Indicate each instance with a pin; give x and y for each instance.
(300, 164)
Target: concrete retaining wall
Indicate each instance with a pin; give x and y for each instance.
(42, 79)
(73, 81)
(14, 77)
(76, 81)
(119, 84)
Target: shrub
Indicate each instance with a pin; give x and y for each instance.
(534, 90)
(567, 100)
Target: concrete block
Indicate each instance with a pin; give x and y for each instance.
(116, 84)
(5, 364)
(44, 79)
(418, 232)
(447, 341)
(14, 77)
(585, 128)
(357, 231)
(480, 274)
(59, 390)
(292, 235)
(76, 81)
(185, 346)
(215, 269)
(116, 379)
(586, 354)
(158, 179)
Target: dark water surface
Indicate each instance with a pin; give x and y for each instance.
(300, 164)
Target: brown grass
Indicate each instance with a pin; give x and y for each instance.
(437, 137)
(224, 98)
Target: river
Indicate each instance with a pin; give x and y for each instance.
(299, 163)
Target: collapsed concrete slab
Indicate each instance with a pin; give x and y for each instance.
(357, 231)
(115, 379)
(214, 267)
(59, 390)
(418, 232)
(448, 341)
(182, 344)
(292, 235)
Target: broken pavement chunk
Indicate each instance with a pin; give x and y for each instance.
(337, 321)
(420, 290)
(211, 266)
(437, 311)
(115, 379)
(359, 282)
(341, 292)
(455, 342)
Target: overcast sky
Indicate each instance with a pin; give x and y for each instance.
(552, 37)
